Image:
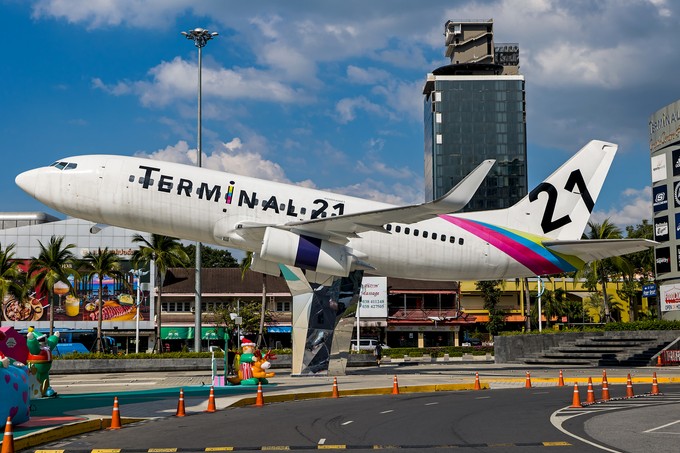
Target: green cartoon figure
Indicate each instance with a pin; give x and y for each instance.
(40, 359)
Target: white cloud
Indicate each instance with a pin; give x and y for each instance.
(106, 13)
(635, 205)
(369, 76)
(347, 108)
(176, 79)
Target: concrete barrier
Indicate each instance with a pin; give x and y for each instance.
(83, 366)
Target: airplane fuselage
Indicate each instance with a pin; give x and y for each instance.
(214, 207)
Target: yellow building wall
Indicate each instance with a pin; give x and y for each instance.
(512, 300)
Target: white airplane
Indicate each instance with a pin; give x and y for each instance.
(328, 234)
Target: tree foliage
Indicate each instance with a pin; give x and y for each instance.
(250, 313)
(101, 263)
(211, 257)
(55, 263)
(491, 293)
(165, 252)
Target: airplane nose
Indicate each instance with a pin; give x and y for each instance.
(27, 181)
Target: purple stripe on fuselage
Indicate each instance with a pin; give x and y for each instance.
(308, 253)
(529, 258)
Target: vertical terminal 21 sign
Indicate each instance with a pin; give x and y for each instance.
(670, 297)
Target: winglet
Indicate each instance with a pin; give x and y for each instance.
(456, 198)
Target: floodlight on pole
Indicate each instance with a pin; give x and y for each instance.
(200, 37)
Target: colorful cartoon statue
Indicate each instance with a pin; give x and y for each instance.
(13, 388)
(252, 366)
(40, 359)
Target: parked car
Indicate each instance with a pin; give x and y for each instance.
(367, 344)
(471, 341)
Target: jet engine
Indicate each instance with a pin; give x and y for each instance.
(306, 252)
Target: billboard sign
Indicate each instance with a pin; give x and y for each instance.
(660, 201)
(659, 172)
(649, 290)
(663, 260)
(670, 297)
(373, 297)
(661, 231)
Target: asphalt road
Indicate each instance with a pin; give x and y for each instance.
(504, 420)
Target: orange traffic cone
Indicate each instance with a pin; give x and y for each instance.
(560, 381)
(211, 401)
(605, 390)
(590, 397)
(395, 386)
(576, 401)
(8, 439)
(659, 362)
(477, 385)
(180, 404)
(259, 401)
(629, 387)
(527, 384)
(115, 415)
(655, 385)
(336, 394)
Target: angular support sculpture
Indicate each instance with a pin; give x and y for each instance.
(323, 319)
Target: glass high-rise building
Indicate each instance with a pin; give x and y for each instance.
(475, 110)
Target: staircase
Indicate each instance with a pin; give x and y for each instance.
(601, 349)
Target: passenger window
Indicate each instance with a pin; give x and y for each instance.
(416, 232)
(434, 235)
(424, 234)
(397, 229)
(460, 241)
(443, 238)
(388, 227)
(452, 240)
(407, 230)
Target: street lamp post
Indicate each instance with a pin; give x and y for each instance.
(200, 37)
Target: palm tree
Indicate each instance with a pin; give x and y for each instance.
(165, 252)
(245, 265)
(9, 272)
(600, 271)
(101, 263)
(54, 264)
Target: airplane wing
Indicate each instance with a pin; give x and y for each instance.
(349, 225)
(597, 249)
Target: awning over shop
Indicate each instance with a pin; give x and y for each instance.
(187, 333)
(213, 333)
(176, 333)
(279, 329)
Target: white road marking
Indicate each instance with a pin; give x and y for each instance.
(387, 412)
(482, 397)
(431, 404)
(322, 441)
(663, 426)
(348, 422)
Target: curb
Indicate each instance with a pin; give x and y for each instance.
(53, 433)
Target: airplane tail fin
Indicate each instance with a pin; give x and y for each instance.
(559, 207)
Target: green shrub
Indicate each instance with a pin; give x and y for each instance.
(434, 352)
(648, 324)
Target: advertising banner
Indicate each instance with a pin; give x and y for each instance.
(660, 195)
(81, 305)
(659, 172)
(670, 297)
(661, 232)
(373, 297)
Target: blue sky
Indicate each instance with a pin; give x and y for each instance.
(323, 94)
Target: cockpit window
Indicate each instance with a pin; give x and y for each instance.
(64, 165)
